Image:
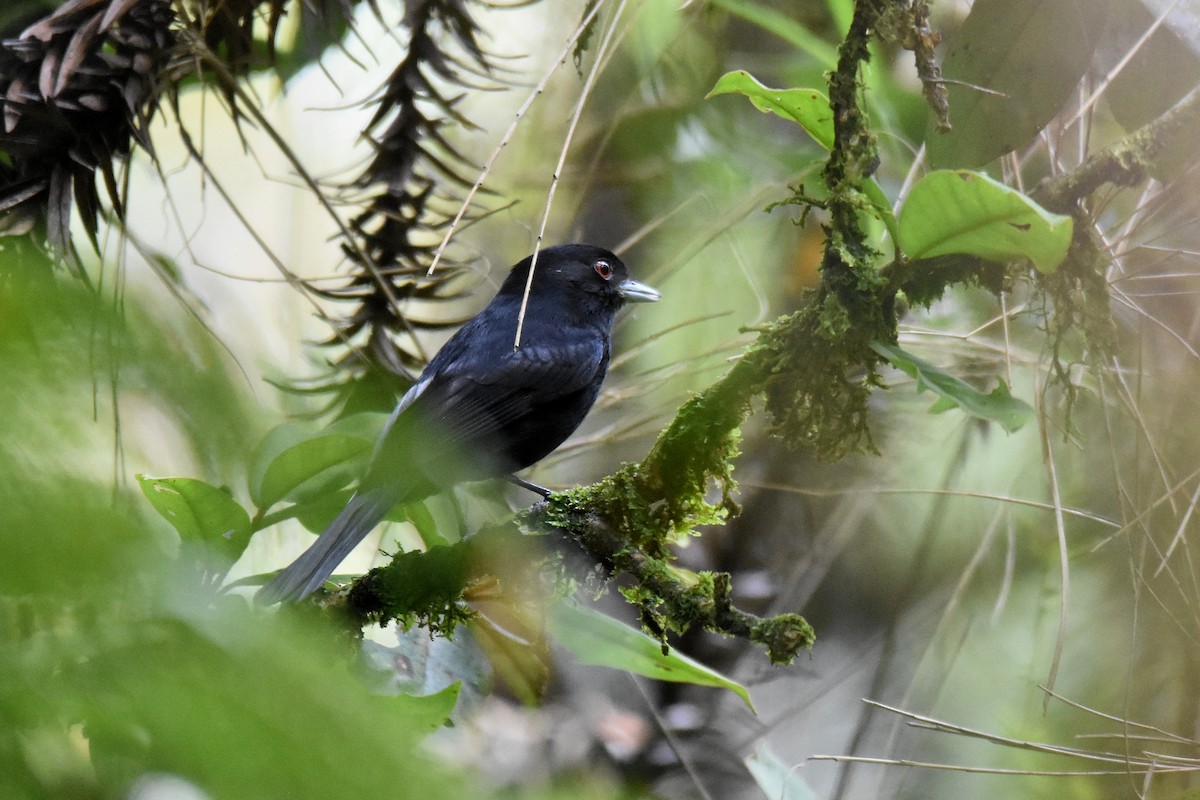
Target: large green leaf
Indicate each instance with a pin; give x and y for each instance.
(595, 638)
(1010, 68)
(997, 406)
(957, 211)
(202, 513)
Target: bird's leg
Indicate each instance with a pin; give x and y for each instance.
(524, 484)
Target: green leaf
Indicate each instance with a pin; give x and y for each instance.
(277, 440)
(293, 463)
(999, 406)
(422, 518)
(595, 638)
(202, 514)
(958, 211)
(315, 515)
(882, 207)
(312, 468)
(807, 107)
(246, 707)
(842, 13)
(1010, 68)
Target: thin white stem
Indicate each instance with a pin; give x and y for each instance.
(584, 92)
(512, 129)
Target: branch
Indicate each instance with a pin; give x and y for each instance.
(432, 588)
(668, 598)
(628, 521)
(1126, 163)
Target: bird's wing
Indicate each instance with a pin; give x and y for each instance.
(471, 401)
(462, 409)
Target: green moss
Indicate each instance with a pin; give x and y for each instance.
(417, 588)
(654, 506)
(783, 635)
(924, 282)
(822, 371)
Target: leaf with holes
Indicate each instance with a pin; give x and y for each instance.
(958, 211)
(807, 107)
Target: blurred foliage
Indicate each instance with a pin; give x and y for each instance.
(119, 661)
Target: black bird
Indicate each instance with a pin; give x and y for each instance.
(484, 408)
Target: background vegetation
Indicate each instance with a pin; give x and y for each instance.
(1003, 593)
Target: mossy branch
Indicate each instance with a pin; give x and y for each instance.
(431, 588)
(671, 599)
(1127, 163)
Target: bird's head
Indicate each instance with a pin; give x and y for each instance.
(591, 276)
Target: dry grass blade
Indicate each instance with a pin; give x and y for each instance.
(584, 91)
(1063, 555)
(1146, 761)
(465, 206)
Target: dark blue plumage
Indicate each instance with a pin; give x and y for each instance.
(482, 408)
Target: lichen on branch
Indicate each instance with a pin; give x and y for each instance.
(669, 599)
(1126, 163)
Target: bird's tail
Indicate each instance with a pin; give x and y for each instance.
(309, 571)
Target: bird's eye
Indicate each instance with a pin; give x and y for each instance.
(603, 269)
